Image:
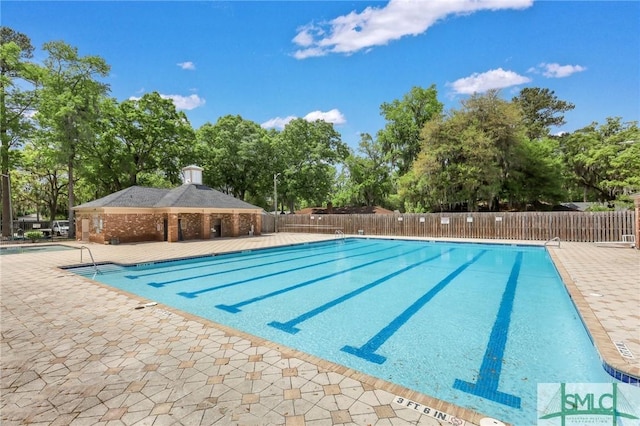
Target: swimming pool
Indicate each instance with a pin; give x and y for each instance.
(476, 325)
(33, 249)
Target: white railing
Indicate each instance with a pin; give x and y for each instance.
(554, 239)
(90, 255)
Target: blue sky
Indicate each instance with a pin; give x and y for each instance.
(269, 61)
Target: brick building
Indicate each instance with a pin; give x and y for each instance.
(190, 212)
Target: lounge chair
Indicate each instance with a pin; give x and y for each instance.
(628, 240)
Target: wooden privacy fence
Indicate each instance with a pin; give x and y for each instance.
(568, 226)
(268, 223)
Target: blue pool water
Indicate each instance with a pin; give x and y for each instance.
(476, 325)
(33, 249)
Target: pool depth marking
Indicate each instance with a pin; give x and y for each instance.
(289, 326)
(488, 380)
(367, 351)
(194, 294)
(234, 308)
(221, 259)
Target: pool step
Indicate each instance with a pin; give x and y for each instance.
(90, 270)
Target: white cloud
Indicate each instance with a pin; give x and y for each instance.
(181, 102)
(185, 102)
(278, 122)
(304, 38)
(377, 26)
(493, 79)
(309, 53)
(559, 71)
(333, 116)
(187, 65)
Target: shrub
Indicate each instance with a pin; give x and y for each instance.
(599, 208)
(33, 235)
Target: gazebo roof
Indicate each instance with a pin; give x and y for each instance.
(187, 195)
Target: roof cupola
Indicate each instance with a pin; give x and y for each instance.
(192, 174)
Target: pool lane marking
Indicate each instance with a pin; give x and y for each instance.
(209, 263)
(194, 294)
(228, 271)
(367, 351)
(486, 386)
(234, 308)
(227, 258)
(290, 326)
(320, 250)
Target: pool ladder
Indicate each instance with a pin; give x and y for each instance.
(556, 239)
(90, 255)
(339, 234)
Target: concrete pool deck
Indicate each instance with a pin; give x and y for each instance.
(78, 352)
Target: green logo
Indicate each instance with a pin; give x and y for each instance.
(563, 404)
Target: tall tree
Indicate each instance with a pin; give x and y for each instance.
(605, 159)
(501, 122)
(236, 156)
(103, 172)
(305, 153)
(18, 78)
(405, 118)
(367, 177)
(69, 104)
(46, 177)
(541, 109)
(137, 141)
(457, 167)
(466, 157)
(538, 175)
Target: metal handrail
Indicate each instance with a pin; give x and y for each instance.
(339, 234)
(91, 255)
(551, 240)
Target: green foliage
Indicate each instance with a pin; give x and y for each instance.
(605, 159)
(400, 138)
(34, 235)
(599, 208)
(416, 191)
(47, 178)
(70, 96)
(142, 141)
(18, 78)
(236, 155)
(541, 109)
(538, 175)
(366, 179)
(305, 153)
(467, 157)
(68, 105)
(480, 155)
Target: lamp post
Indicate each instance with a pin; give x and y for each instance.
(275, 201)
(10, 207)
